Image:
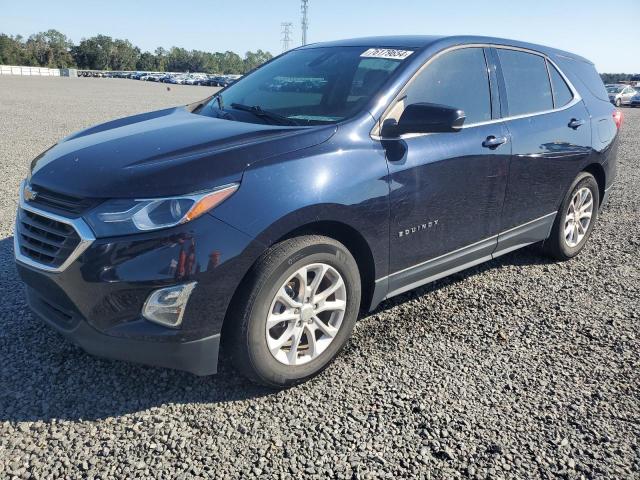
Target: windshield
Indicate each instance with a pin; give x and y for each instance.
(311, 86)
(614, 89)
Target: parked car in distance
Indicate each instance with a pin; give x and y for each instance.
(192, 79)
(177, 79)
(621, 94)
(218, 81)
(335, 176)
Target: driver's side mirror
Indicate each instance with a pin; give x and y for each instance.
(425, 118)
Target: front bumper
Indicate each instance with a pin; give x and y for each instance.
(199, 357)
(97, 300)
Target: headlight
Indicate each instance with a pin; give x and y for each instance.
(124, 217)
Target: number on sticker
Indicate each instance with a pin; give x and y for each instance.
(389, 53)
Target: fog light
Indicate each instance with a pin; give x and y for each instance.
(166, 306)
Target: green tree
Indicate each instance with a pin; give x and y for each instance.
(147, 62)
(93, 53)
(50, 49)
(178, 60)
(253, 60)
(161, 59)
(124, 55)
(12, 50)
(101, 52)
(232, 63)
(615, 77)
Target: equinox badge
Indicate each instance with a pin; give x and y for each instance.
(418, 228)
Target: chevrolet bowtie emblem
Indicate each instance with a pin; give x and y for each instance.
(28, 193)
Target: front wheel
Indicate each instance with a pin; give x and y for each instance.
(618, 102)
(297, 311)
(575, 219)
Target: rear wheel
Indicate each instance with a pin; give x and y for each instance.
(297, 312)
(618, 102)
(575, 219)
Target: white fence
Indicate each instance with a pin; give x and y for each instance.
(33, 71)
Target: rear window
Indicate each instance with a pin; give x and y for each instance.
(527, 82)
(588, 76)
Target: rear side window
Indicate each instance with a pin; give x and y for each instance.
(526, 81)
(561, 92)
(457, 79)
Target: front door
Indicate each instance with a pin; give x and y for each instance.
(447, 189)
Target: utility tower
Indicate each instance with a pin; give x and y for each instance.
(286, 35)
(305, 21)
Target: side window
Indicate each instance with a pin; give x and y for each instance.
(561, 92)
(527, 82)
(457, 79)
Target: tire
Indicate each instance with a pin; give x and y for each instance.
(618, 102)
(272, 274)
(563, 246)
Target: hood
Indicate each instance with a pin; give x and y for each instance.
(162, 153)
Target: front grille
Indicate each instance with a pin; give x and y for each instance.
(60, 202)
(44, 240)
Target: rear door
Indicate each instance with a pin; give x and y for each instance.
(551, 137)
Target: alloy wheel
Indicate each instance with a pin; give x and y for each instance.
(306, 314)
(578, 217)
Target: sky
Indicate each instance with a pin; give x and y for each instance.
(606, 33)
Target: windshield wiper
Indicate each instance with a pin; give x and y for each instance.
(258, 111)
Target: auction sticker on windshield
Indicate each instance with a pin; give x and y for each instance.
(390, 53)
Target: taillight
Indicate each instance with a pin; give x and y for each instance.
(617, 117)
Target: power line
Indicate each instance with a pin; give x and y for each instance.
(305, 21)
(286, 35)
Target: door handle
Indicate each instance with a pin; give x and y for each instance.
(575, 123)
(494, 142)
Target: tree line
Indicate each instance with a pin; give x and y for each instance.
(619, 77)
(53, 49)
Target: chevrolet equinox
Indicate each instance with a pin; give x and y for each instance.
(337, 175)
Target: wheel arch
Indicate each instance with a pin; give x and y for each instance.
(355, 243)
(353, 240)
(599, 174)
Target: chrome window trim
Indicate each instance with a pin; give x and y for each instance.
(375, 131)
(465, 247)
(78, 224)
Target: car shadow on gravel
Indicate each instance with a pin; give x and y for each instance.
(527, 256)
(44, 377)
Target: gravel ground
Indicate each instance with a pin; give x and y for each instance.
(520, 368)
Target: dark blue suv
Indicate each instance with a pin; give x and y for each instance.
(333, 177)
